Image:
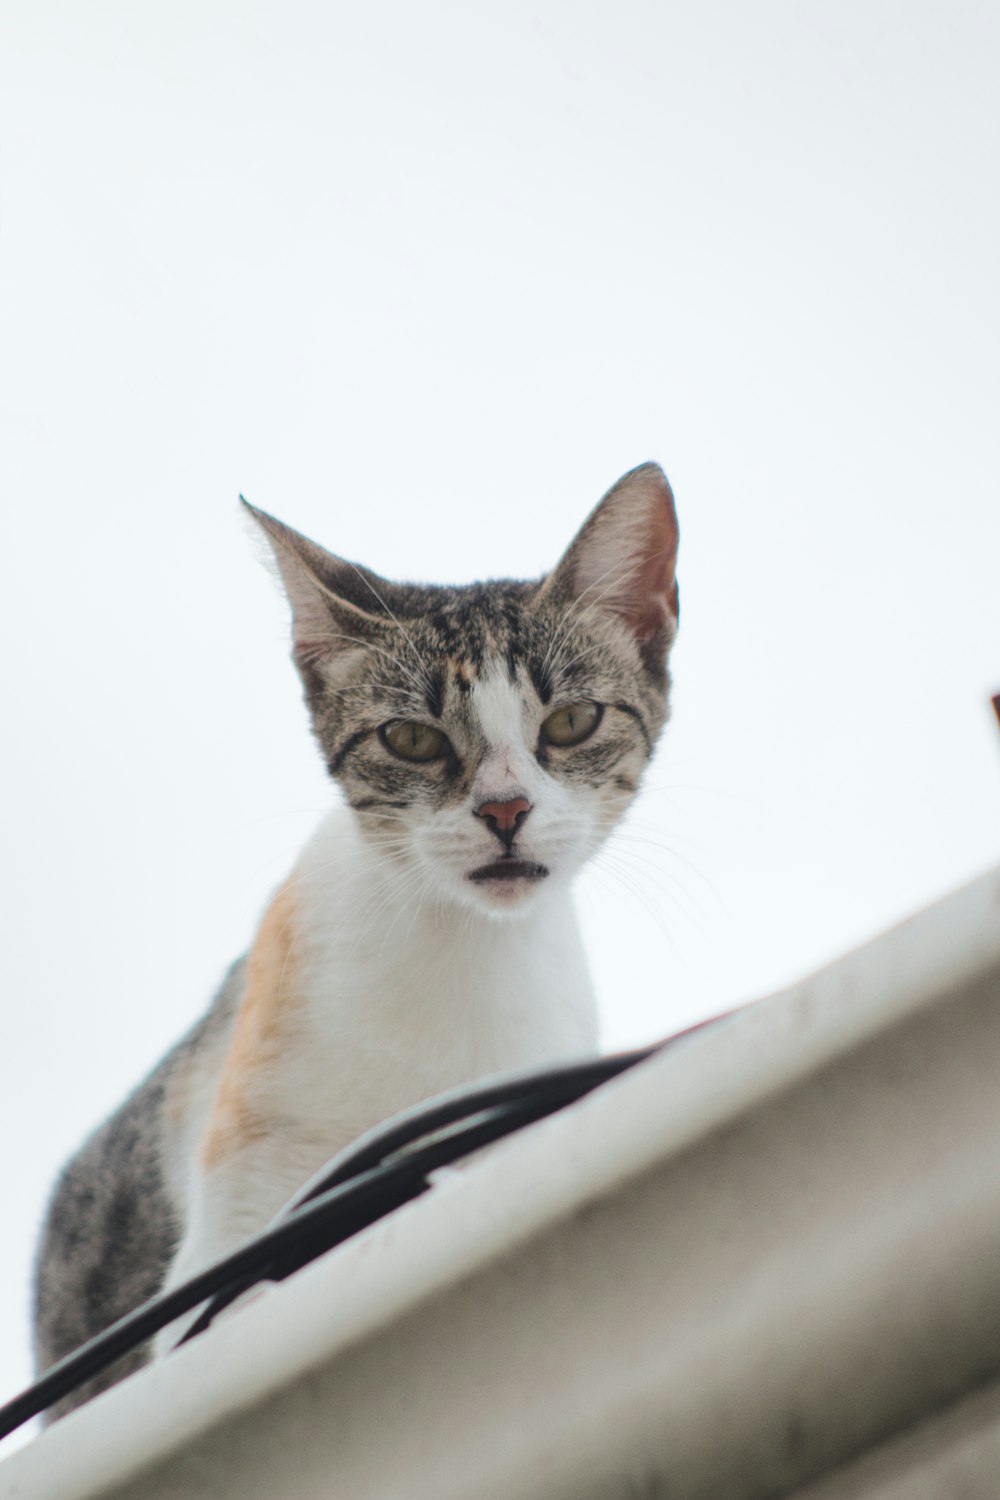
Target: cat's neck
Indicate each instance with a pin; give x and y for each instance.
(386, 959)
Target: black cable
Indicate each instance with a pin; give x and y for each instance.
(507, 1106)
(383, 1170)
(242, 1268)
(411, 1125)
(407, 1173)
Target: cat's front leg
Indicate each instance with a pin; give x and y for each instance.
(228, 1204)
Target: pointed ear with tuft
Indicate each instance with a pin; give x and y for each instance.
(622, 561)
(330, 623)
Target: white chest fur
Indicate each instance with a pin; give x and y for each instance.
(405, 996)
(368, 996)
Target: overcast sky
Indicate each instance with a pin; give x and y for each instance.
(423, 281)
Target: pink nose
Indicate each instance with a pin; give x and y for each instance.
(504, 816)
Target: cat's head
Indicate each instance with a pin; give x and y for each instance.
(489, 736)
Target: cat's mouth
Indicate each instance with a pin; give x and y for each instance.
(509, 869)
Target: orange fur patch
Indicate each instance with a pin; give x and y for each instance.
(236, 1119)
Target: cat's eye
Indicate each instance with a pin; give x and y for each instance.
(573, 724)
(413, 741)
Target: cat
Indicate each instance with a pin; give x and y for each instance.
(486, 740)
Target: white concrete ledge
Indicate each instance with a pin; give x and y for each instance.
(953, 1455)
(733, 1271)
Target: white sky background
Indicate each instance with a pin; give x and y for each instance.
(423, 281)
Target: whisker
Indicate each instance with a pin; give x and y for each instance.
(637, 884)
(649, 872)
(670, 849)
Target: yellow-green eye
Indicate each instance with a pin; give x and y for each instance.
(573, 724)
(413, 741)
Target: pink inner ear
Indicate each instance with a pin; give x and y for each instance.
(623, 560)
(626, 563)
(652, 603)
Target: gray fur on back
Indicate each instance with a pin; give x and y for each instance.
(110, 1230)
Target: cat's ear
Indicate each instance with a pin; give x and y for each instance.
(623, 559)
(330, 620)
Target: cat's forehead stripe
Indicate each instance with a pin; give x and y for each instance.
(499, 704)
